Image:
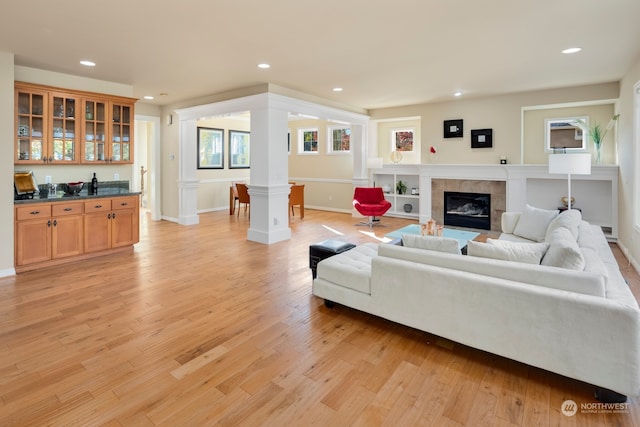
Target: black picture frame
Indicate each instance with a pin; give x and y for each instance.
(453, 128)
(481, 138)
(210, 148)
(239, 149)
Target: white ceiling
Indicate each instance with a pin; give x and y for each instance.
(383, 53)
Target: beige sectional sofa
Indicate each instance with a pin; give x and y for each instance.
(572, 314)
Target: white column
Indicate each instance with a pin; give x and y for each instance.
(269, 188)
(187, 179)
(359, 149)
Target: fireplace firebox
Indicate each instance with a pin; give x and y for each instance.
(472, 210)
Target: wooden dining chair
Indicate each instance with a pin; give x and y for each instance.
(234, 189)
(296, 198)
(243, 197)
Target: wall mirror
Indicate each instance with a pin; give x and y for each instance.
(564, 134)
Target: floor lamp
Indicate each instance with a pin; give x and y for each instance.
(570, 164)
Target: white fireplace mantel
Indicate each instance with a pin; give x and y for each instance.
(596, 194)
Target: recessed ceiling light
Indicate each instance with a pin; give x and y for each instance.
(88, 63)
(337, 89)
(148, 97)
(458, 93)
(264, 66)
(572, 50)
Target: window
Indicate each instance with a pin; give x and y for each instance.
(339, 139)
(308, 141)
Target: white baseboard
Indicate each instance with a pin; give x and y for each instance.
(630, 259)
(7, 272)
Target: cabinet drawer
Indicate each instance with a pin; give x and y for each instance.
(124, 202)
(97, 205)
(32, 212)
(61, 209)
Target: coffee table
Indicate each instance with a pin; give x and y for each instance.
(462, 236)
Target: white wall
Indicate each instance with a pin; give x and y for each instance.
(629, 157)
(501, 113)
(6, 163)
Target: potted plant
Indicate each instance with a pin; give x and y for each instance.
(401, 187)
(597, 134)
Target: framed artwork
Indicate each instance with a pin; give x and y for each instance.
(481, 138)
(339, 139)
(402, 139)
(238, 149)
(453, 129)
(210, 148)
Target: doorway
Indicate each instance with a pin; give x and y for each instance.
(146, 173)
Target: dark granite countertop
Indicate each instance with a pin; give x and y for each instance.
(107, 189)
(111, 192)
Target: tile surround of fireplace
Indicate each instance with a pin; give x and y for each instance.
(497, 190)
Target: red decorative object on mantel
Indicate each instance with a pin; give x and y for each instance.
(432, 150)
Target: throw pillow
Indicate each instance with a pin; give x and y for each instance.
(533, 223)
(563, 250)
(529, 253)
(569, 219)
(433, 243)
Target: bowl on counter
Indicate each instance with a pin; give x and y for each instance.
(73, 188)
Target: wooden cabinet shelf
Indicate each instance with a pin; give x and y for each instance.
(59, 232)
(402, 205)
(60, 126)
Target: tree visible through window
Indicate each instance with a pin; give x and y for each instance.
(309, 138)
(340, 139)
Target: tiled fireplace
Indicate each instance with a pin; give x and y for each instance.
(496, 189)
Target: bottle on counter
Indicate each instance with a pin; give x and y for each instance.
(94, 184)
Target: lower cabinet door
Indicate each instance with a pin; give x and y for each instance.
(97, 231)
(33, 241)
(124, 227)
(66, 236)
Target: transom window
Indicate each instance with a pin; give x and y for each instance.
(308, 141)
(339, 139)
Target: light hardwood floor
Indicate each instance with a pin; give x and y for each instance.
(198, 326)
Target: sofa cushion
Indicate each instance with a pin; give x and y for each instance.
(433, 243)
(569, 219)
(532, 250)
(533, 223)
(582, 282)
(530, 253)
(351, 269)
(508, 221)
(563, 250)
(593, 263)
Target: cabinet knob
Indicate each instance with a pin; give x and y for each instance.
(49, 223)
(113, 215)
(68, 209)
(55, 222)
(109, 216)
(34, 212)
(124, 204)
(97, 206)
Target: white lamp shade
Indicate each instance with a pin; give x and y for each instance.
(374, 162)
(571, 163)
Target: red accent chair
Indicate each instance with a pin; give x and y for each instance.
(370, 201)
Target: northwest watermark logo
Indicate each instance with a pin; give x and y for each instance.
(569, 408)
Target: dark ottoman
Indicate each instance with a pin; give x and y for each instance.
(326, 249)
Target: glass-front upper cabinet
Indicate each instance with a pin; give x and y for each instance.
(30, 126)
(95, 137)
(121, 133)
(65, 128)
(62, 126)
